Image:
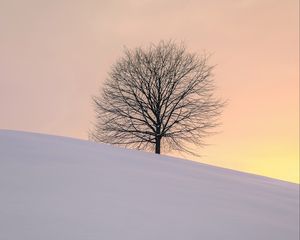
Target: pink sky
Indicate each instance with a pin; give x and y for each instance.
(55, 54)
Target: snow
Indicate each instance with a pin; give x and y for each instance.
(61, 188)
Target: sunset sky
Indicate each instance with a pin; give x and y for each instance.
(54, 55)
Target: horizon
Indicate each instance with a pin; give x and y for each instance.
(133, 149)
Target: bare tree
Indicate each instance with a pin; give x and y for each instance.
(158, 97)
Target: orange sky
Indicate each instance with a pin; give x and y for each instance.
(55, 54)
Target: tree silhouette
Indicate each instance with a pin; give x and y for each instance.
(157, 98)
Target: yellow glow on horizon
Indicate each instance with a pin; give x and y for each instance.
(275, 160)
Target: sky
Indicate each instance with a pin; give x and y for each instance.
(54, 55)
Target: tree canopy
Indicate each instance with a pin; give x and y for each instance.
(154, 98)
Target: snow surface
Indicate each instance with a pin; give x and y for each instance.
(57, 188)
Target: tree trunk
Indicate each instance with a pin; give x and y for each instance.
(157, 145)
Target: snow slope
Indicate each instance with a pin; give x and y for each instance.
(57, 188)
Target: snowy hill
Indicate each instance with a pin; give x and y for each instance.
(67, 189)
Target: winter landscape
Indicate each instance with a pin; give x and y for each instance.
(149, 120)
(62, 188)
